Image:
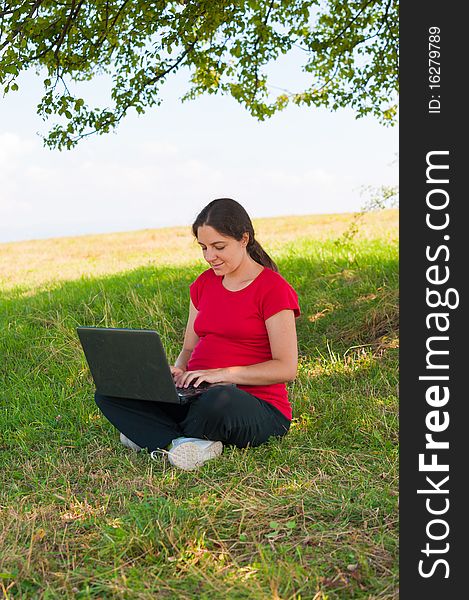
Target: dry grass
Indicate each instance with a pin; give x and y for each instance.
(38, 262)
(380, 323)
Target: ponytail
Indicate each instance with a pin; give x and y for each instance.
(257, 253)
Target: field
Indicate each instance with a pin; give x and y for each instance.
(312, 516)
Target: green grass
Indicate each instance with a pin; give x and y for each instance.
(310, 516)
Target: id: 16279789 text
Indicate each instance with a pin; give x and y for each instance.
(434, 69)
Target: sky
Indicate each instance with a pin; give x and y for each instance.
(162, 168)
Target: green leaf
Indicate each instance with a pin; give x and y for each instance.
(350, 52)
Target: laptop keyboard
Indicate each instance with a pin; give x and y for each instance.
(191, 390)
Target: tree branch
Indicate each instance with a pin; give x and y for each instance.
(256, 62)
(72, 15)
(114, 21)
(18, 30)
(330, 43)
(130, 103)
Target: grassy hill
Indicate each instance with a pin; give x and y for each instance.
(310, 516)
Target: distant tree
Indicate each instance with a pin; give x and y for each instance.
(377, 198)
(350, 50)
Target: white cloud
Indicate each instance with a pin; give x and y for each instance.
(283, 178)
(148, 185)
(12, 146)
(163, 169)
(159, 149)
(14, 151)
(41, 175)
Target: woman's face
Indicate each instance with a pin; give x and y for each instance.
(224, 254)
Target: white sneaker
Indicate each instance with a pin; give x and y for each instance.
(190, 453)
(128, 443)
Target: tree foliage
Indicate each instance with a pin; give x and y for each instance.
(350, 51)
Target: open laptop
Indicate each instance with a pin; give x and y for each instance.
(131, 363)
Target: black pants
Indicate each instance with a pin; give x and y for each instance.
(222, 413)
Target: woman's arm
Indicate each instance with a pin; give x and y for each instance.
(283, 366)
(190, 341)
(283, 346)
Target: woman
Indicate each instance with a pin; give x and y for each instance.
(240, 331)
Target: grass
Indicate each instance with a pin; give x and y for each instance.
(312, 516)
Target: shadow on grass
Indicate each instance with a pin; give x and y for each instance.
(336, 302)
(345, 311)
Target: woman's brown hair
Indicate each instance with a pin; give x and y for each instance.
(229, 218)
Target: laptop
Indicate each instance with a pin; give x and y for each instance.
(131, 363)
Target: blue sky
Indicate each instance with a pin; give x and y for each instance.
(161, 168)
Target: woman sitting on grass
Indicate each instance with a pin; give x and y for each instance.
(241, 331)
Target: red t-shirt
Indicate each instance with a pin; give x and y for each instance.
(231, 327)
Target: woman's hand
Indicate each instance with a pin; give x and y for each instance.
(208, 375)
(176, 372)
